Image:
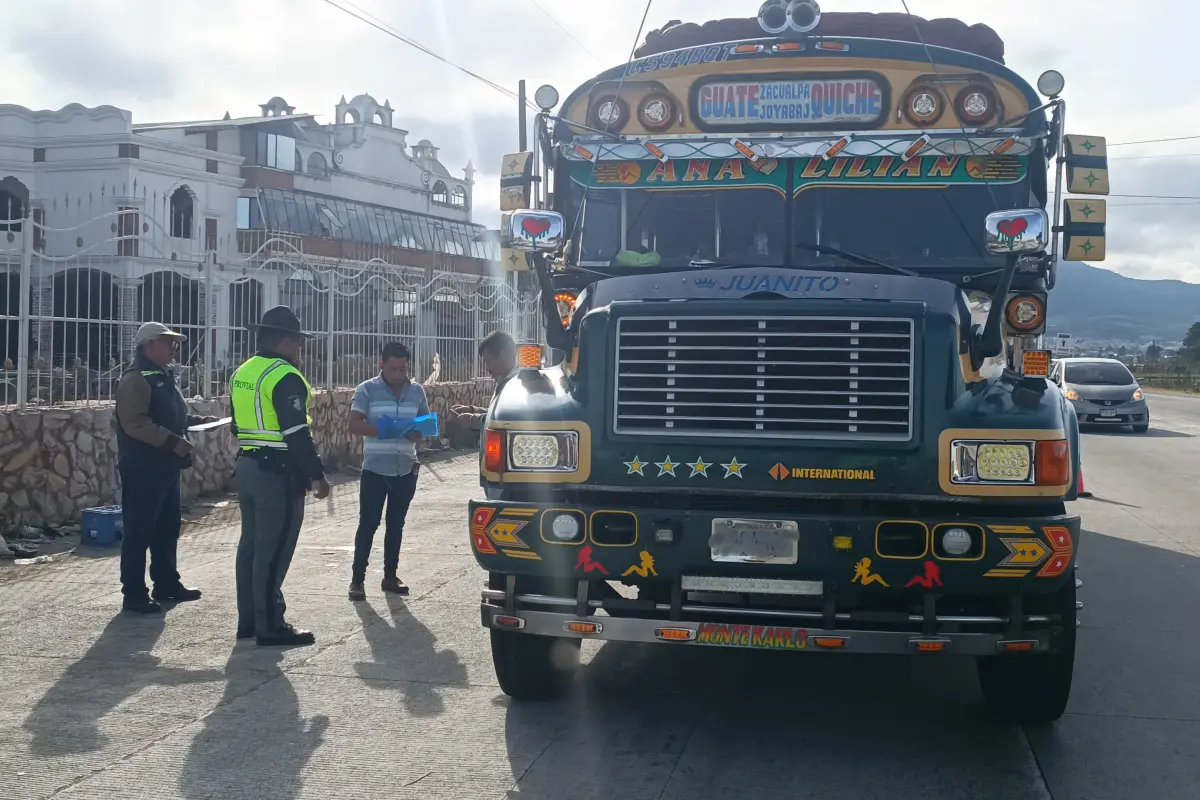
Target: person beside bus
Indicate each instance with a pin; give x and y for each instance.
(152, 452)
(277, 465)
(379, 413)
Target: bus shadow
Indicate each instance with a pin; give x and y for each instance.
(675, 722)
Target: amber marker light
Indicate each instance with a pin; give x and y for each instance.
(1052, 463)
(675, 634)
(1035, 363)
(832, 642)
(493, 450)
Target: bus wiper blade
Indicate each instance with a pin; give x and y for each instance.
(855, 257)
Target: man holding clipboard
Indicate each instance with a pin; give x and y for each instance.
(384, 411)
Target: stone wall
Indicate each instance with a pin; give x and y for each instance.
(55, 463)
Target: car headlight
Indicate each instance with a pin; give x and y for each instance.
(1071, 394)
(992, 462)
(557, 451)
(1137, 395)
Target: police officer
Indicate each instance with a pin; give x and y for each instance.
(153, 449)
(277, 465)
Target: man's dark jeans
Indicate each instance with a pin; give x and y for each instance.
(151, 517)
(373, 490)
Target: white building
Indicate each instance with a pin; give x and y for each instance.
(204, 224)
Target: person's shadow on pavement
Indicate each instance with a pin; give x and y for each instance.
(66, 720)
(255, 743)
(405, 655)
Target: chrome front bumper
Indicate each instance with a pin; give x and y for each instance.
(953, 635)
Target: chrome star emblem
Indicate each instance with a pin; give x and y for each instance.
(666, 467)
(698, 468)
(636, 466)
(733, 468)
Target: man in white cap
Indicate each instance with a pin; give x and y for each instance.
(153, 450)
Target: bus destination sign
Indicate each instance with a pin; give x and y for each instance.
(797, 103)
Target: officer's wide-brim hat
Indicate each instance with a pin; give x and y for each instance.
(281, 318)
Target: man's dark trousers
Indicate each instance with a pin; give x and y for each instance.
(373, 490)
(150, 512)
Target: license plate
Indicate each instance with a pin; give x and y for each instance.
(755, 541)
(1108, 412)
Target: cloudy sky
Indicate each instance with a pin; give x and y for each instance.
(1128, 75)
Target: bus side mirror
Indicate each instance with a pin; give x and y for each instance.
(532, 231)
(1019, 231)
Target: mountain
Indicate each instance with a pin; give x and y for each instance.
(1094, 303)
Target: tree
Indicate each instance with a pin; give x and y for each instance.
(1153, 353)
(1190, 351)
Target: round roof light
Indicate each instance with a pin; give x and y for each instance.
(922, 106)
(610, 113)
(1051, 83)
(656, 112)
(546, 97)
(976, 104)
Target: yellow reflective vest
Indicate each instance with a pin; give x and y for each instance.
(252, 393)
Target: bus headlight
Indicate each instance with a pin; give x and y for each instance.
(556, 451)
(992, 462)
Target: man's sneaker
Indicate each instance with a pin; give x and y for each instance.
(357, 592)
(176, 594)
(393, 585)
(141, 605)
(287, 636)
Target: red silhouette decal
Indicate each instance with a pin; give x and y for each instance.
(933, 575)
(585, 563)
(1013, 227)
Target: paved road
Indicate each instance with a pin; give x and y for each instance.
(398, 699)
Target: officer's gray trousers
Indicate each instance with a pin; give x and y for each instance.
(272, 513)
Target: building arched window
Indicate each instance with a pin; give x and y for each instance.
(441, 194)
(318, 167)
(460, 197)
(182, 213)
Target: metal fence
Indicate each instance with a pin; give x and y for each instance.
(78, 276)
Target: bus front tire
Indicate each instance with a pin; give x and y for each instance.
(532, 668)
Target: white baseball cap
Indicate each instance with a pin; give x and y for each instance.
(149, 331)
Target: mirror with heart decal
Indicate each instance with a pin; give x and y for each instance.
(1018, 231)
(533, 231)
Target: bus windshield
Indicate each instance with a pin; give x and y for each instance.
(679, 215)
(908, 227)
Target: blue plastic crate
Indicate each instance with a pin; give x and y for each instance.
(103, 526)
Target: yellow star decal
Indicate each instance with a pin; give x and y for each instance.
(666, 467)
(733, 468)
(698, 468)
(636, 466)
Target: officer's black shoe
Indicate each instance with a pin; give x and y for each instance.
(287, 636)
(176, 594)
(141, 605)
(246, 633)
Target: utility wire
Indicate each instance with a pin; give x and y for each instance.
(563, 28)
(395, 34)
(1155, 141)
(1165, 155)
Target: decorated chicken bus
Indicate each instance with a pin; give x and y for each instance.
(794, 269)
